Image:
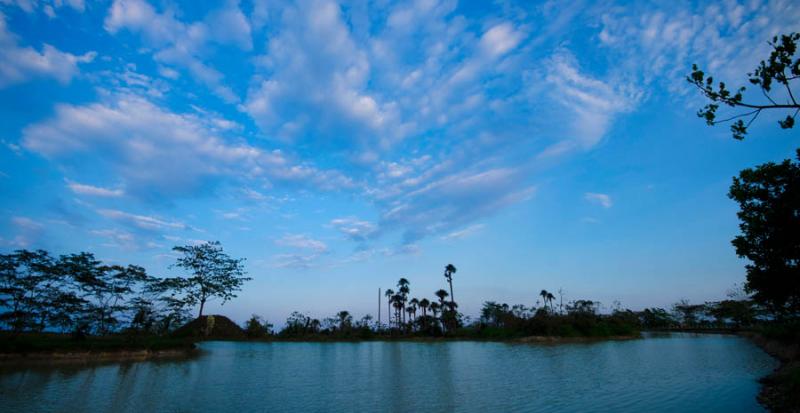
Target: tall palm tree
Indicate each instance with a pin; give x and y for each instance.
(389, 293)
(403, 289)
(449, 270)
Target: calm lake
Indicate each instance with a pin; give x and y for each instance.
(670, 373)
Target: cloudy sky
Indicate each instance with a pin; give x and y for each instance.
(340, 146)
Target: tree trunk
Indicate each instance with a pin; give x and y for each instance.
(202, 304)
(452, 297)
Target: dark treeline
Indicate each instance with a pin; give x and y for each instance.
(78, 294)
(576, 318)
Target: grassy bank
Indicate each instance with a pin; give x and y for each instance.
(35, 345)
(780, 390)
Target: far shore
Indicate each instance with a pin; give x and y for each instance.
(72, 357)
(439, 339)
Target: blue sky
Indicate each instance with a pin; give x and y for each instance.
(340, 146)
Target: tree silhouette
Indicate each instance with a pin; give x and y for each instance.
(22, 277)
(403, 290)
(389, 294)
(442, 295)
(769, 215)
(424, 304)
(779, 71)
(435, 307)
(345, 319)
(449, 270)
(551, 297)
(213, 274)
(397, 302)
(544, 295)
(413, 303)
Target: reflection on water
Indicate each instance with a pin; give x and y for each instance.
(671, 373)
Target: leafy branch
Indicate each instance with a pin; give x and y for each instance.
(779, 71)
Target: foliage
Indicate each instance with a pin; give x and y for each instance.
(213, 274)
(255, 327)
(657, 318)
(581, 320)
(779, 72)
(77, 293)
(769, 201)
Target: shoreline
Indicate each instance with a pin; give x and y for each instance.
(511, 340)
(70, 357)
(779, 389)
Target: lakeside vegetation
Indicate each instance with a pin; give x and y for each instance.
(75, 302)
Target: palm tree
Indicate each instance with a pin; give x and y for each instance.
(414, 303)
(389, 293)
(424, 304)
(403, 289)
(344, 319)
(544, 294)
(442, 294)
(551, 297)
(435, 308)
(397, 301)
(449, 270)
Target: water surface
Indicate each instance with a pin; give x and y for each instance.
(678, 372)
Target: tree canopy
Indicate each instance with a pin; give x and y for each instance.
(212, 274)
(769, 200)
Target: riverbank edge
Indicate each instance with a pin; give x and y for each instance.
(68, 357)
(517, 340)
(779, 392)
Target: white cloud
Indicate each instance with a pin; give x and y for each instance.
(83, 189)
(500, 39)
(296, 261)
(156, 151)
(317, 69)
(29, 6)
(445, 204)
(603, 200)
(302, 242)
(727, 38)
(253, 195)
(144, 222)
(28, 232)
(20, 64)
(593, 103)
(463, 233)
(181, 44)
(124, 240)
(354, 228)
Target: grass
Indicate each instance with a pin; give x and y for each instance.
(64, 343)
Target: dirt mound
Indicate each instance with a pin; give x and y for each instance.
(210, 327)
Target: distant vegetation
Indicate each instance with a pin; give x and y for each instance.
(577, 318)
(78, 295)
